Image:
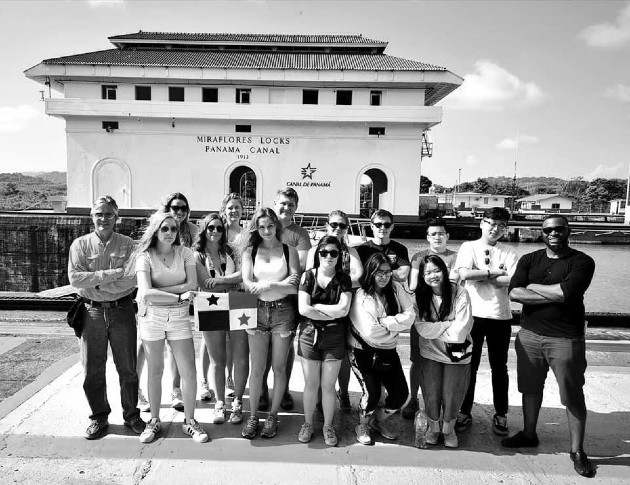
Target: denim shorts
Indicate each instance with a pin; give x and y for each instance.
(331, 344)
(566, 357)
(165, 322)
(277, 317)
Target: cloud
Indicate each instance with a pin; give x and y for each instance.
(618, 171)
(106, 3)
(510, 143)
(471, 160)
(620, 92)
(16, 118)
(490, 87)
(609, 35)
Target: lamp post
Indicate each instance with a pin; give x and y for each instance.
(626, 219)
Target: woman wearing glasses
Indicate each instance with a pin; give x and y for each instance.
(216, 272)
(271, 270)
(324, 299)
(444, 324)
(381, 309)
(166, 273)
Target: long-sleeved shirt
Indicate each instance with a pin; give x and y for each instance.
(434, 334)
(90, 262)
(369, 318)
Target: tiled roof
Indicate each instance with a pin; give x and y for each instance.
(244, 60)
(247, 38)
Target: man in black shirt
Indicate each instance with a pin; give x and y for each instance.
(550, 284)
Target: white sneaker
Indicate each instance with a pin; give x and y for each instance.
(194, 429)
(236, 416)
(206, 392)
(217, 415)
(150, 431)
(143, 404)
(229, 387)
(363, 434)
(176, 399)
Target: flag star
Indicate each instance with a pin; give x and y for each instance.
(244, 319)
(213, 300)
(308, 171)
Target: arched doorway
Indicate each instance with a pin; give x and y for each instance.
(372, 192)
(243, 182)
(112, 177)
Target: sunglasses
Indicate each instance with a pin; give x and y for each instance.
(165, 229)
(108, 216)
(333, 254)
(549, 230)
(340, 225)
(487, 253)
(386, 225)
(214, 228)
(179, 208)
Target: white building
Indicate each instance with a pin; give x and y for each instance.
(618, 206)
(473, 201)
(206, 114)
(545, 202)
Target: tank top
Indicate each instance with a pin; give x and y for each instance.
(275, 270)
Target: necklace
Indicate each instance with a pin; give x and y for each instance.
(165, 257)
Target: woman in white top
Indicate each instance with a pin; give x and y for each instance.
(166, 273)
(271, 270)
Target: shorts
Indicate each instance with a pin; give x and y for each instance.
(165, 322)
(331, 344)
(277, 317)
(566, 357)
(414, 345)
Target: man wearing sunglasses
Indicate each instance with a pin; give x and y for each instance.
(382, 225)
(99, 267)
(550, 283)
(486, 266)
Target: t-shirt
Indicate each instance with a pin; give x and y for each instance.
(161, 275)
(448, 256)
(396, 253)
(297, 237)
(340, 283)
(488, 300)
(574, 273)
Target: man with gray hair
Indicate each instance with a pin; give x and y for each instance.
(99, 267)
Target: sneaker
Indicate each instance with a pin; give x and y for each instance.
(206, 392)
(499, 425)
(217, 415)
(319, 412)
(236, 416)
(151, 430)
(306, 433)
(136, 425)
(263, 403)
(177, 402)
(363, 434)
(287, 401)
(463, 422)
(450, 439)
(143, 404)
(95, 429)
(271, 427)
(345, 406)
(194, 429)
(251, 428)
(519, 440)
(581, 464)
(410, 410)
(384, 428)
(330, 437)
(229, 387)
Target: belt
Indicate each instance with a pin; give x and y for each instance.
(108, 304)
(275, 303)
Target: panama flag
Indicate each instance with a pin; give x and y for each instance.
(225, 311)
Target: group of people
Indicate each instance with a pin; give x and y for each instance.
(346, 305)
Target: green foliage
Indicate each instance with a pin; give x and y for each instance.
(425, 184)
(21, 192)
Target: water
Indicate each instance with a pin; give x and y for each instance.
(609, 289)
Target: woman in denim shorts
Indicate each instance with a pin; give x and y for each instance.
(324, 300)
(271, 270)
(166, 272)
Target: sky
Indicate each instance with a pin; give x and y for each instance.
(554, 74)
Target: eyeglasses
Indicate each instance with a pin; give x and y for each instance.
(383, 274)
(340, 225)
(378, 225)
(108, 216)
(434, 272)
(498, 225)
(333, 254)
(179, 208)
(165, 229)
(212, 228)
(487, 253)
(549, 230)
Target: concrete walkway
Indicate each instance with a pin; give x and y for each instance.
(41, 441)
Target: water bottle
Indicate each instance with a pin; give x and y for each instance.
(420, 425)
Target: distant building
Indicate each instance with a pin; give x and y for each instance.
(473, 201)
(206, 114)
(618, 206)
(545, 203)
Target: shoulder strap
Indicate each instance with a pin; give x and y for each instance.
(254, 253)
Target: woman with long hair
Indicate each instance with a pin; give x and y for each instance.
(271, 271)
(166, 274)
(381, 309)
(217, 272)
(444, 324)
(324, 300)
(337, 225)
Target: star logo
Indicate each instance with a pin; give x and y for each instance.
(244, 319)
(213, 300)
(307, 172)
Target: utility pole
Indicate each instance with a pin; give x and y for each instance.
(514, 179)
(626, 219)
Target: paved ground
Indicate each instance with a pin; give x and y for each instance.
(42, 424)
